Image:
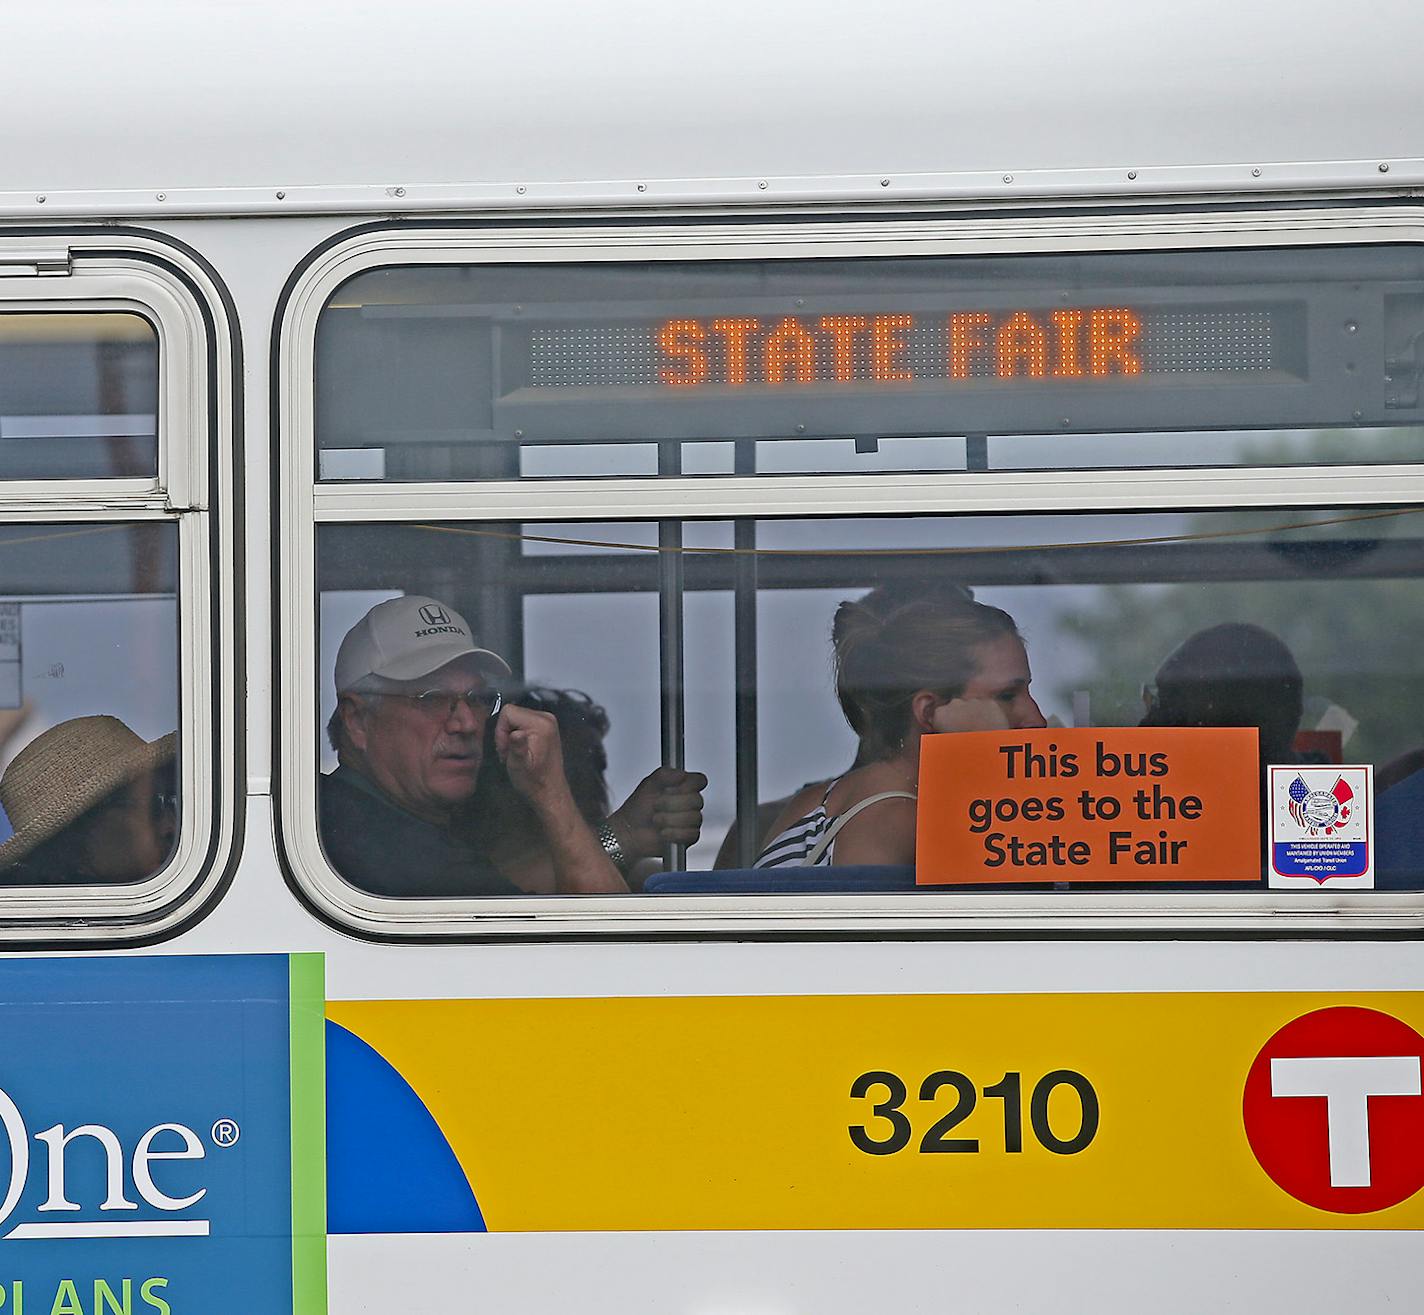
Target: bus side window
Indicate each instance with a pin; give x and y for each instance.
(627, 480)
(109, 650)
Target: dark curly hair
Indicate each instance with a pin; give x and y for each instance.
(498, 815)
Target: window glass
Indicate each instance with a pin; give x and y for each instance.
(78, 395)
(709, 644)
(1250, 357)
(88, 702)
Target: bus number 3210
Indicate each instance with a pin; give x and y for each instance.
(890, 1129)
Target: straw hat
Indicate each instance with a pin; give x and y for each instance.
(60, 775)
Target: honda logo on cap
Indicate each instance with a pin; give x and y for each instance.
(434, 616)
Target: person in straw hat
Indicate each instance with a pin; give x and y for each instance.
(90, 801)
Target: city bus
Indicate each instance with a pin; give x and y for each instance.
(631, 346)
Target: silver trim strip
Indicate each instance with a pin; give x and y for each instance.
(1131, 182)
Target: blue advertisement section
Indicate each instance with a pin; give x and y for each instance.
(145, 1136)
(1321, 859)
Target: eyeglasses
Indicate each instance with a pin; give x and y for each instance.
(440, 704)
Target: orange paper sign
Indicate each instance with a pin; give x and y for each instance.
(1133, 805)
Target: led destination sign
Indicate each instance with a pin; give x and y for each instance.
(1080, 345)
(1117, 343)
(1069, 344)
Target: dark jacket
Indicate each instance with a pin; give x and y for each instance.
(387, 851)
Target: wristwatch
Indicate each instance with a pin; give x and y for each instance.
(608, 838)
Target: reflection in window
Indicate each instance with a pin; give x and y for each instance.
(88, 702)
(78, 396)
(715, 649)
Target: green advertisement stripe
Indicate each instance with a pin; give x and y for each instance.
(308, 1075)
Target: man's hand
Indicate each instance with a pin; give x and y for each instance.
(665, 809)
(527, 743)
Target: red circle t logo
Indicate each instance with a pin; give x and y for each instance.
(1334, 1109)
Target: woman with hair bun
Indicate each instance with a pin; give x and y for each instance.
(908, 663)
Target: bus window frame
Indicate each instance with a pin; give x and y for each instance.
(303, 504)
(192, 490)
(181, 466)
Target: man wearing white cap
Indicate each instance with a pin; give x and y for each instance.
(415, 695)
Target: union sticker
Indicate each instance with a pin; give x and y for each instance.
(1322, 827)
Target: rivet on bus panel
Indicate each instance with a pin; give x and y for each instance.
(1008, 178)
(884, 182)
(643, 187)
(281, 196)
(1131, 175)
(40, 198)
(161, 196)
(1384, 168)
(1256, 172)
(762, 184)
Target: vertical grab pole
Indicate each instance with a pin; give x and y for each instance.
(744, 641)
(670, 654)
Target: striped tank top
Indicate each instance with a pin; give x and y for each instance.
(809, 842)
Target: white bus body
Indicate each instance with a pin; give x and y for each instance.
(245, 161)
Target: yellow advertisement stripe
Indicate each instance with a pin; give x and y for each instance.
(734, 1112)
